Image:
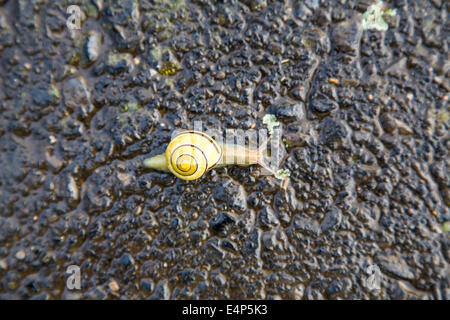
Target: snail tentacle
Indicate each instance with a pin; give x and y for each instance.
(157, 162)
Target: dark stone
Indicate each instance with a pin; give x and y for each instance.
(231, 194)
(41, 97)
(332, 131)
(395, 265)
(334, 288)
(347, 35)
(332, 220)
(221, 221)
(267, 218)
(117, 63)
(126, 260)
(96, 294)
(288, 111)
(162, 291)
(306, 225)
(323, 105)
(77, 97)
(252, 244)
(147, 284)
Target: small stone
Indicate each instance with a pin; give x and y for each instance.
(52, 139)
(77, 97)
(41, 97)
(403, 128)
(53, 161)
(220, 222)
(270, 242)
(302, 12)
(147, 284)
(162, 291)
(317, 40)
(333, 81)
(295, 139)
(232, 194)
(93, 46)
(72, 189)
(220, 280)
(220, 75)
(298, 291)
(288, 111)
(3, 265)
(314, 294)
(332, 219)
(113, 286)
(323, 105)
(119, 63)
(395, 265)
(267, 218)
(12, 285)
(96, 294)
(347, 35)
(20, 255)
(398, 68)
(389, 124)
(258, 4)
(126, 260)
(333, 131)
(306, 225)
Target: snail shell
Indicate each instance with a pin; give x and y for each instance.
(191, 153)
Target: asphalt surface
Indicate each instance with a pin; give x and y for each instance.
(365, 121)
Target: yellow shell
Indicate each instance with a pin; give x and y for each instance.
(191, 153)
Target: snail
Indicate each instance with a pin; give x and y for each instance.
(190, 154)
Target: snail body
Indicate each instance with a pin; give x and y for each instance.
(190, 154)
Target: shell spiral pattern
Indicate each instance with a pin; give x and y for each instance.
(191, 153)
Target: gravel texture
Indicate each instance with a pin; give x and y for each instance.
(365, 120)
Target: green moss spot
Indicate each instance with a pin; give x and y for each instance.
(157, 52)
(168, 69)
(115, 58)
(282, 174)
(446, 227)
(130, 106)
(373, 17)
(91, 10)
(12, 285)
(270, 120)
(54, 92)
(74, 59)
(69, 70)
